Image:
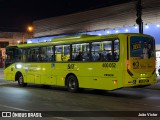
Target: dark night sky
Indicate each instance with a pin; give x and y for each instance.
(15, 15)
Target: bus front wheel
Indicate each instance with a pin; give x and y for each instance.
(21, 81)
(72, 83)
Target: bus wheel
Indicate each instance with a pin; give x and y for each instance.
(72, 83)
(21, 81)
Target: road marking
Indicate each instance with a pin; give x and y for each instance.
(4, 83)
(13, 107)
(62, 118)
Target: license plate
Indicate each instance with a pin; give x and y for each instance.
(143, 81)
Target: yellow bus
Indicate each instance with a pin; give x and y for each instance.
(106, 62)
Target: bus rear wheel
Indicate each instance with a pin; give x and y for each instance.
(72, 83)
(21, 81)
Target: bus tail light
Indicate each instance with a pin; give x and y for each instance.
(115, 82)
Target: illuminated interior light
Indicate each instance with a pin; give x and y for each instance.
(135, 27)
(29, 41)
(108, 32)
(117, 31)
(158, 25)
(126, 30)
(18, 41)
(99, 34)
(146, 26)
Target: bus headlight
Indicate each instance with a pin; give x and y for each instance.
(18, 66)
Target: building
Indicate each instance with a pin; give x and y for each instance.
(104, 19)
(11, 38)
(108, 20)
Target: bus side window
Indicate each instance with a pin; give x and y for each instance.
(42, 55)
(58, 56)
(74, 56)
(30, 52)
(34, 55)
(116, 50)
(104, 55)
(95, 56)
(66, 53)
(79, 56)
(17, 55)
(58, 53)
(95, 53)
(52, 58)
(109, 57)
(24, 55)
(76, 52)
(85, 51)
(107, 50)
(49, 52)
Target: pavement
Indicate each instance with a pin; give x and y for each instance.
(155, 86)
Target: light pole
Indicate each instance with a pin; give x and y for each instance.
(139, 20)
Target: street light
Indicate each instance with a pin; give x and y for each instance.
(28, 32)
(30, 28)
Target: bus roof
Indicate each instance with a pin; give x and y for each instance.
(74, 39)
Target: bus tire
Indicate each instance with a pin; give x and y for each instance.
(21, 81)
(72, 83)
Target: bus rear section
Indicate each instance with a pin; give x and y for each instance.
(140, 64)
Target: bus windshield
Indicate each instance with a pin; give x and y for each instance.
(141, 47)
(142, 53)
(11, 55)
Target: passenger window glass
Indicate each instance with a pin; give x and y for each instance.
(116, 50)
(96, 49)
(66, 53)
(80, 52)
(85, 52)
(107, 51)
(18, 55)
(33, 54)
(76, 52)
(58, 53)
(24, 55)
(49, 54)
